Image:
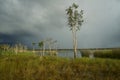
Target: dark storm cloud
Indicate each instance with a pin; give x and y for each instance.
(37, 15)
(18, 18)
(16, 36)
(34, 20)
(23, 37)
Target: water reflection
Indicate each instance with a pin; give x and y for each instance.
(69, 54)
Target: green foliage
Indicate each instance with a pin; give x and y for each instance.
(41, 44)
(33, 43)
(28, 67)
(75, 18)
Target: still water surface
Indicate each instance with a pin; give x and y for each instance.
(69, 54)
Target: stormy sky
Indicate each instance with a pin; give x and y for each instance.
(28, 21)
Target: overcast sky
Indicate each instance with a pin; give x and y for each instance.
(29, 21)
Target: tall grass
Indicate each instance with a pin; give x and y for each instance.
(29, 67)
(112, 53)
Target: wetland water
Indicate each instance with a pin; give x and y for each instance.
(67, 54)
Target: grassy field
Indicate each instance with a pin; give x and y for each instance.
(32, 67)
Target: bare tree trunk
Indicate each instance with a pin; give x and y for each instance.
(44, 49)
(16, 48)
(33, 50)
(56, 48)
(50, 49)
(74, 42)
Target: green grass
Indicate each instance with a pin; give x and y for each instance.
(30, 67)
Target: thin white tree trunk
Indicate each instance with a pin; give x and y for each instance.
(74, 41)
(16, 49)
(75, 44)
(50, 48)
(44, 49)
(33, 50)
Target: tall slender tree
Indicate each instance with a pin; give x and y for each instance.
(44, 43)
(41, 45)
(33, 45)
(75, 20)
(55, 45)
(49, 42)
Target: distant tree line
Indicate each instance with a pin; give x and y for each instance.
(6, 48)
(48, 43)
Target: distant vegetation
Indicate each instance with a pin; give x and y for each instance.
(108, 53)
(6, 49)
